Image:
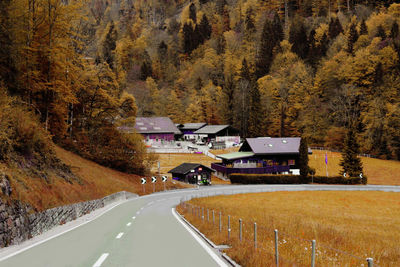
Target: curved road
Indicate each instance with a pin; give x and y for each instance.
(144, 232)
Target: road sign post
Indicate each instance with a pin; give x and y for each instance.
(153, 181)
(164, 180)
(143, 182)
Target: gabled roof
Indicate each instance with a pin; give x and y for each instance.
(193, 126)
(268, 145)
(185, 168)
(236, 155)
(147, 125)
(211, 129)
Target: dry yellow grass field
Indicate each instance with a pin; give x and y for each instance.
(96, 182)
(362, 224)
(380, 172)
(224, 151)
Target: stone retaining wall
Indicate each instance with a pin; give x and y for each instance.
(18, 223)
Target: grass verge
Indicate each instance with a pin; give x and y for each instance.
(378, 171)
(95, 181)
(348, 226)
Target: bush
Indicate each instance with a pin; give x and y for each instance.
(111, 148)
(24, 142)
(292, 179)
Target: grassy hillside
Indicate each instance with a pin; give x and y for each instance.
(95, 181)
(381, 172)
(363, 224)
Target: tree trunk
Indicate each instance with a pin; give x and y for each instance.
(286, 15)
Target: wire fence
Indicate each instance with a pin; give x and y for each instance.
(257, 244)
(340, 151)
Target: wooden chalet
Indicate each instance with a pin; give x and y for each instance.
(154, 128)
(263, 155)
(212, 132)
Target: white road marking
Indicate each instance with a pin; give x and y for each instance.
(150, 203)
(128, 224)
(141, 208)
(56, 235)
(213, 255)
(100, 261)
(138, 212)
(133, 217)
(119, 235)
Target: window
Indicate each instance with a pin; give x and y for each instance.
(292, 162)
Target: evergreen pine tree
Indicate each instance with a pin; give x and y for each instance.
(265, 53)
(323, 46)
(335, 28)
(381, 32)
(352, 38)
(204, 28)
(303, 158)
(277, 28)
(109, 45)
(145, 70)
(313, 51)
(363, 28)
(394, 32)
(255, 113)
(188, 32)
(192, 13)
(298, 38)
(351, 163)
(162, 51)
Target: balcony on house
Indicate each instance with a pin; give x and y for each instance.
(225, 169)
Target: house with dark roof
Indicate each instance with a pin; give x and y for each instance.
(193, 173)
(211, 132)
(188, 130)
(154, 128)
(263, 155)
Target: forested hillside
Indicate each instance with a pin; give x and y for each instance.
(51, 90)
(269, 68)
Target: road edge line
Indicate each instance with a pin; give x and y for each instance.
(64, 232)
(206, 247)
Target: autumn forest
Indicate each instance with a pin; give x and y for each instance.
(75, 70)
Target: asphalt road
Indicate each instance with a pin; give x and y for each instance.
(144, 232)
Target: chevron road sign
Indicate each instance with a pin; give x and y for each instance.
(143, 180)
(153, 179)
(164, 179)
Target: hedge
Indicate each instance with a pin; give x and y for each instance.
(237, 178)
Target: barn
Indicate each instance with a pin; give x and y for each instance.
(192, 173)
